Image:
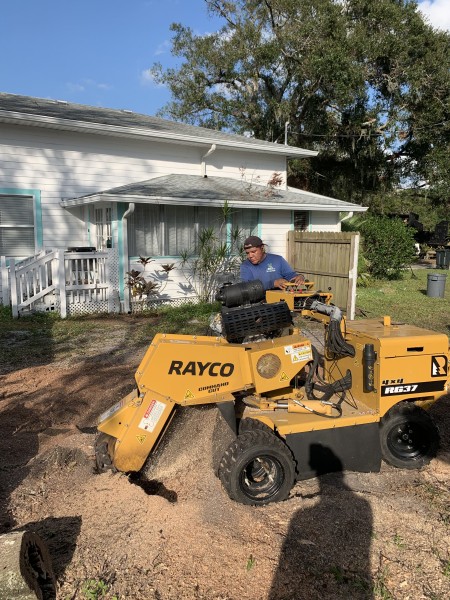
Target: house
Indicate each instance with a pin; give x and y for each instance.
(80, 177)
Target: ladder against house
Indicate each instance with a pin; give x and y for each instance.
(71, 283)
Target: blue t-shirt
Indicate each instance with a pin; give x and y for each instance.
(270, 268)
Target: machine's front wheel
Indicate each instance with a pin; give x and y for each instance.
(104, 448)
(257, 468)
(409, 438)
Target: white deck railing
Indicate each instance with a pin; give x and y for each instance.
(68, 282)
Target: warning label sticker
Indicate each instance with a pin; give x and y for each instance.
(299, 352)
(152, 415)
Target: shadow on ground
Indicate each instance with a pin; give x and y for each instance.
(326, 552)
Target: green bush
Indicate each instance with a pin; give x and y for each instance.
(387, 245)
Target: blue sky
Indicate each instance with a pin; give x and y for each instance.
(97, 52)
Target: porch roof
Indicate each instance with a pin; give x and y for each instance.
(185, 190)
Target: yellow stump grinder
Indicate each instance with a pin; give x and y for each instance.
(291, 410)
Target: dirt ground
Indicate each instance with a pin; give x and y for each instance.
(179, 536)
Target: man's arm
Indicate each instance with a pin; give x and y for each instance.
(287, 275)
(286, 270)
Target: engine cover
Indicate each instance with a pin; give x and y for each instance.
(255, 319)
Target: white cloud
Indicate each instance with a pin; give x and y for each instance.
(85, 84)
(75, 87)
(148, 79)
(436, 12)
(162, 48)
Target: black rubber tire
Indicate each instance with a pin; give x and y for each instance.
(104, 446)
(409, 438)
(257, 468)
(222, 437)
(249, 424)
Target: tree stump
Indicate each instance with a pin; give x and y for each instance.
(26, 571)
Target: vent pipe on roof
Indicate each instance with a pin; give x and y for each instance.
(203, 166)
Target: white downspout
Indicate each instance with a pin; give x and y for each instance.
(125, 257)
(349, 215)
(203, 165)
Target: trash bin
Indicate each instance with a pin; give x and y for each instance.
(443, 259)
(436, 285)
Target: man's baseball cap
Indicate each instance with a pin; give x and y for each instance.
(253, 242)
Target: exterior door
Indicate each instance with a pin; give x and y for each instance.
(103, 238)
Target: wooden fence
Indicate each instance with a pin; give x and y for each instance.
(330, 260)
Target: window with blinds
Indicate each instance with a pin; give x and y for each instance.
(16, 226)
(245, 220)
(170, 230)
(144, 231)
(301, 220)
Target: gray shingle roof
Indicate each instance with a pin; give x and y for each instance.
(61, 114)
(213, 191)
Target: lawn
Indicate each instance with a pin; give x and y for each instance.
(46, 337)
(406, 300)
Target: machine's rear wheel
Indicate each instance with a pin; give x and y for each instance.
(257, 468)
(409, 438)
(104, 448)
(248, 424)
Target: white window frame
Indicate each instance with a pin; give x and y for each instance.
(162, 230)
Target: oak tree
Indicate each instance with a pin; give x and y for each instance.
(365, 83)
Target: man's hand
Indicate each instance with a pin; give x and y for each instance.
(280, 283)
(298, 279)
(283, 283)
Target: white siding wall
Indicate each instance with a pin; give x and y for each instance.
(67, 164)
(276, 223)
(324, 221)
(274, 227)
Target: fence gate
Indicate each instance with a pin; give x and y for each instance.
(330, 259)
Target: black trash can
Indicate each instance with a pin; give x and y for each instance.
(436, 285)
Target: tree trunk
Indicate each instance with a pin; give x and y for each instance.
(25, 567)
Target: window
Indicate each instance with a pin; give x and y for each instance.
(301, 220)
(180, 229)
(17, 231)
(169, 230)
(246, 221)
(144, 230)
(213, 218)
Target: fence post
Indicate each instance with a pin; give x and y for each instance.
(14, 298)
(6, 296)
(108, 281)
(61, 283)
(353, 276)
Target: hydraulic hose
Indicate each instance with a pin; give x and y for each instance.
(334, 340)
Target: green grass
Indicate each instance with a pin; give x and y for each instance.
(45, 337)
(42, 338)
(406, 301)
